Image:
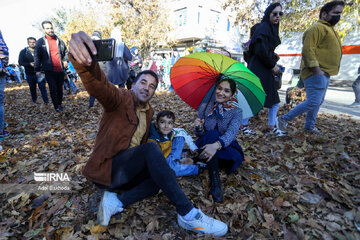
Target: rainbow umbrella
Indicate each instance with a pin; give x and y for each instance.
(194, 79)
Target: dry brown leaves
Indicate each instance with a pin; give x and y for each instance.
(297, 187)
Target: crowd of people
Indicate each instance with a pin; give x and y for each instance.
(141, 157)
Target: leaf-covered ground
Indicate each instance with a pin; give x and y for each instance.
(297, 187)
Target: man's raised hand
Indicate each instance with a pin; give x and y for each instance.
(78, 49)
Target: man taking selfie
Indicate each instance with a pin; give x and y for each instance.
(122, 159)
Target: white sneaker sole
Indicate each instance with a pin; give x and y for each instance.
(219, 233)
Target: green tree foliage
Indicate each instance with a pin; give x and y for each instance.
(88, 21)
(92, 16)
(144, 23)
(299, 15)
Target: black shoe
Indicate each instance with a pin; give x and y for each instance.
(215, 189)
(201, 166)
(59, 109)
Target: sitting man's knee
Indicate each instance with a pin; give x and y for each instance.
(151, 147)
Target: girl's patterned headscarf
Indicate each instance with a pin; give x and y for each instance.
(220, 108)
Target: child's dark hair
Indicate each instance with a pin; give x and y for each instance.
(231, 83)
(165, 113)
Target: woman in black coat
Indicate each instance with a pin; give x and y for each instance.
(262, 59)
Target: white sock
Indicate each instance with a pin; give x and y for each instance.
(191, 215)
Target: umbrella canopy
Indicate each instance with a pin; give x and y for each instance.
(194, 79)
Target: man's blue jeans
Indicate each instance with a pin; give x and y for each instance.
(32, 81)
(2, 110)
(316, 87)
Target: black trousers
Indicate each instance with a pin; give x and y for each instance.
(55, 81)
(32, 81)
(142, 171)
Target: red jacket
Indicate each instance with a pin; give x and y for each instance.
(118, 122)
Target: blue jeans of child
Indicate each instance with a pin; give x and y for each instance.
(316, 87)
(32, 81)
(142, 171)
(2, 110)
(175, 154)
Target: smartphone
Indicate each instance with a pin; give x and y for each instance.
(105, 50)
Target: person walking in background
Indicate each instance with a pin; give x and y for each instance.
(50, 55)
(356, 88)
(118, 68)
(166, 65)
(11, 72)
(17, 73)
(96, 35)
(70, 76)
(4, 60)
(26, 59)
(175, 56)
(262, 60)
(135, 66)
(136, 62)
(321, 56)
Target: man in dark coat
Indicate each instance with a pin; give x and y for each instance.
(26, 59)
(51, 56)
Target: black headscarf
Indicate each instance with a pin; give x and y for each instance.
(267, 28)
(274, 27)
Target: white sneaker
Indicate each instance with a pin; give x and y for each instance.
(247, 131)
(281, 124)
(279, 133)
(354, 105)
(313, 130)
(109, 205)
(204, 224)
